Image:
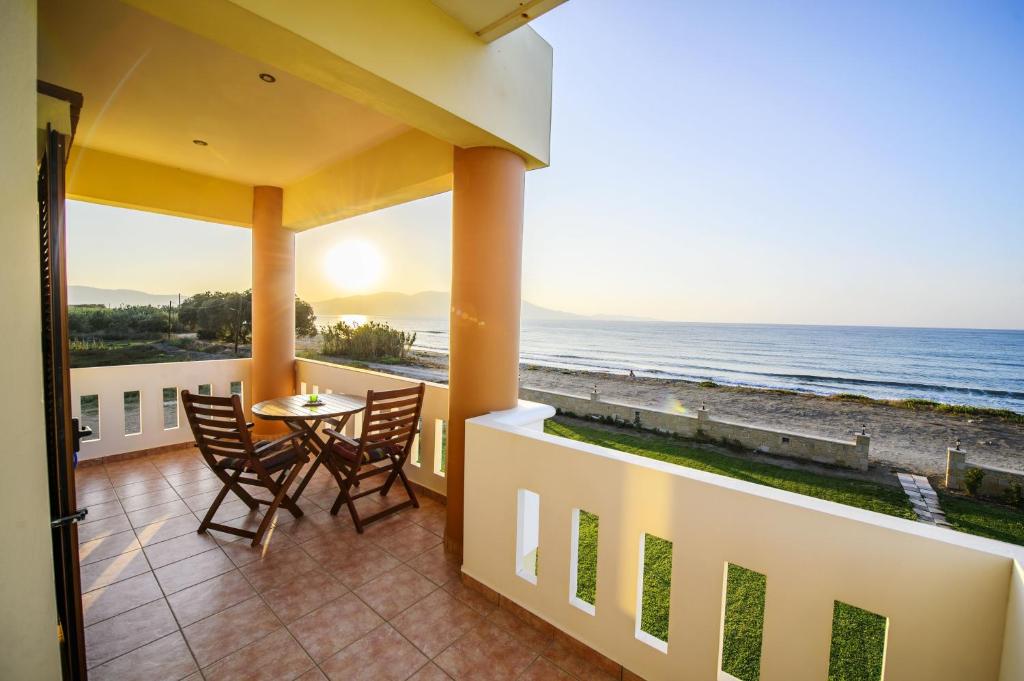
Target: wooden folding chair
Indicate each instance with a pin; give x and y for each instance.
(390, 424)
(224, 440)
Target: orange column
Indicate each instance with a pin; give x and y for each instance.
(487, 244)
(273, 303)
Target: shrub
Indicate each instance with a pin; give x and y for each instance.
(369, 341)
(1015, 495)
(972, 480)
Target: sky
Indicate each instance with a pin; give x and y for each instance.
(803, 162)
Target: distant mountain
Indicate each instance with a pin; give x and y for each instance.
(425, 305)
(89, 295)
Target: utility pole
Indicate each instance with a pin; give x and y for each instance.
(169, 304)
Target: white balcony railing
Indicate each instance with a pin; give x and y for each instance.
(138, 407)
(426, 465)
(954, 603)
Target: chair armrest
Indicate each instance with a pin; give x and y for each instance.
(344, 439)
(250, 425)
(264, 447)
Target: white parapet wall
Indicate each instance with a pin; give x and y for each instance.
(701, 425)
(425, 467)
(130, 425)
(953, 601)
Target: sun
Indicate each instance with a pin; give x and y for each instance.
(354, 265)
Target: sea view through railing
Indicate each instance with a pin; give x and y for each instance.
(983, 368)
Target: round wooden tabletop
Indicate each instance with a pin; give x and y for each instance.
(297, 407)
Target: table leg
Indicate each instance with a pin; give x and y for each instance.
(316, 446)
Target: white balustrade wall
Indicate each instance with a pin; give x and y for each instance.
(954, 602)
(110, 384)
(426, 469)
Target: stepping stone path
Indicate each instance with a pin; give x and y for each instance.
(923, 498)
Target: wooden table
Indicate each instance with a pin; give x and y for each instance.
(301, 417)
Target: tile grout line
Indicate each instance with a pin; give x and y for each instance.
(220, 545)
(160, 586)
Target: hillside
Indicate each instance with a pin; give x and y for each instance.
(424, 305)
(90, 295)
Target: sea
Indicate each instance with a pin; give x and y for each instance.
(983, 368)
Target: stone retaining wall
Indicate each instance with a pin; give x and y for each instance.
(996, 483)
(794, 445)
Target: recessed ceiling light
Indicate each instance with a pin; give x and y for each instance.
(267, 78)
(200, 143)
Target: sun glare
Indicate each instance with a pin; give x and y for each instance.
(354, 265)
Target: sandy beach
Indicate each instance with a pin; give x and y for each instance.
(903, 439)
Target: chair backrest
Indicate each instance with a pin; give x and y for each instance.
(218, 424)
(391, 421)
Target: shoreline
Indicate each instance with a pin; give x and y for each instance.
(909, 436)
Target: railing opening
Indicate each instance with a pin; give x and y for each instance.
(528, 535)
(742, 622)
(440, 446)
(583, 561)
(236, 389)
(858, 643)
(132, 412)
(170, 405)
(653, 591)
(89, 415)
(205, 389)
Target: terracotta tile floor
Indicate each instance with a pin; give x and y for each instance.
(316, 601)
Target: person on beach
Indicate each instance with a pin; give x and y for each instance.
(631, 374)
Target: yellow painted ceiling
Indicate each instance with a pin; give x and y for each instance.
(152, 88)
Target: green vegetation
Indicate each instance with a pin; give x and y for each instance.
(120, 323)
(107, 336)
(972, 480)
(101, 353)
(858, 635)
(915, 404)
(983, 519)
(1015, 495)
(372, 341)
(586, 563)
(862, 494)
(654, 599)
(744, 623)
(858, 644)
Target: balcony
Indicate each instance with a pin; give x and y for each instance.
(318, 594)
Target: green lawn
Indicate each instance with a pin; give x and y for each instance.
(858, 635)
(983, 519)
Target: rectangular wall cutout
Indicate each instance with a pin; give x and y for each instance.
(858, 643)
(132, 412)
(89, 415)
(440, 446)
(170, 407)
(236, 389)
(527, 535)
(583, 561)
(654, 590)
(205, 389)
(742, 622)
